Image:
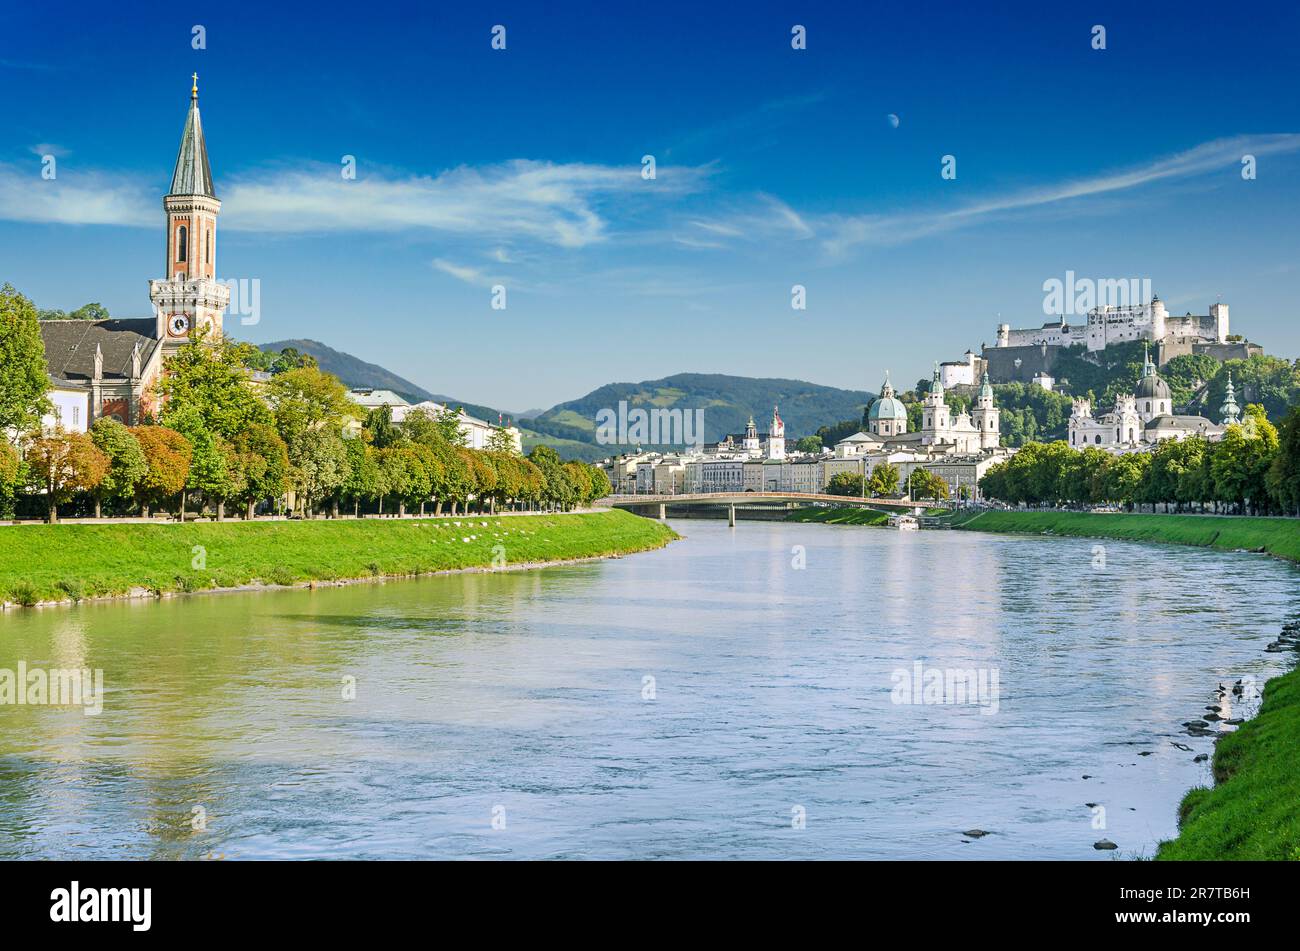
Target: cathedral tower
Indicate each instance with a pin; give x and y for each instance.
(934, 421)
(189, 298)
(987, 417)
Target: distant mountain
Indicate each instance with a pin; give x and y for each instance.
(727, 401)
(358, 374)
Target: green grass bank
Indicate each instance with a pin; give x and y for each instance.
(1253, 811)
(69, 562)
(1276, 536)
(844, 516)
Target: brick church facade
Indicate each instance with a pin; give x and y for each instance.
(109, 368)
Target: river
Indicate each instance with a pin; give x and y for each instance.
(730, 696)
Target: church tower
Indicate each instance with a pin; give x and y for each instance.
(934, 418)
(750, 444)
(189, 298)
(987, 417)
(776, 436)
(1230, 412)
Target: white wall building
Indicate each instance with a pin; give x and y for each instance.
(1111, 324)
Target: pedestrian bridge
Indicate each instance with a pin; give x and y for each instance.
(759, 504)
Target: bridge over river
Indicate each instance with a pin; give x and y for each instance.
(751, 504)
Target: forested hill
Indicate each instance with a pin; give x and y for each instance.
(727, 402)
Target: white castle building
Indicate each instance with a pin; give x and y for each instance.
(1112, 324)
(1143, 418)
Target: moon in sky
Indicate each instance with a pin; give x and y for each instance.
(893, 120)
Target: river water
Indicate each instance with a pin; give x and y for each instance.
(730, 696)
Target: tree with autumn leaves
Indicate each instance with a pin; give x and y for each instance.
(63, 464)
(224, 437)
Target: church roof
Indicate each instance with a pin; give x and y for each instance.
(193, 175)
(1151, 386)
(70, 346)
(887, 407)
(1187, 423)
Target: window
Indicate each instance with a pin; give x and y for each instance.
(76, 416)
(182, 235)
(1148, 406)
(207, 252)
(1097, 439)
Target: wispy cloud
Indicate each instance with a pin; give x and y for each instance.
(842, 232)
(74, 197)
(557, 204)
(462, 272)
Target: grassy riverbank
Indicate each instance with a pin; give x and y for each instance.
(844, 516)
(1277, 536)
(1251, 813)
(61, 562)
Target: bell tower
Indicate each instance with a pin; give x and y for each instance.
(189, 298)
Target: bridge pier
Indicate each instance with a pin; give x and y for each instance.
(663, 511)
(731, 516)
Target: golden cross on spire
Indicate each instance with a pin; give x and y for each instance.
(194, 90)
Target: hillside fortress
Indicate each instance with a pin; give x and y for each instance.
(1020, 354)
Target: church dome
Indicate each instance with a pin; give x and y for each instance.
(1152, 387)
(886, 407)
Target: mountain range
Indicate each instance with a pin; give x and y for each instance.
(728, 401)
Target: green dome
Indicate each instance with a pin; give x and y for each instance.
(886, 407)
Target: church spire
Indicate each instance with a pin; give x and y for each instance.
(1230, 411)
(193, 175)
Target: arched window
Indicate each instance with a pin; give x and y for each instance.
(1148, 406)
(207, 253)
(1097, 439)
(182, 243)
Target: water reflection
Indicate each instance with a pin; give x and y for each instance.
(525, 691)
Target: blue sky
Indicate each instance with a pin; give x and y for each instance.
(775, 167)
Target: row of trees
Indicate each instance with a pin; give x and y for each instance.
(884, 481)
(1254, 469)
(222, 440)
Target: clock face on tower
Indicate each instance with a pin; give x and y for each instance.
(178, 325)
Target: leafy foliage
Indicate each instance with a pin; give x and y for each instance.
(23, 382)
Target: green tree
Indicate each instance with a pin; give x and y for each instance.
(809, 444)
(13, 475)
(447, 420)
(884, 480)
(924, 484)
(363, 474)
(600, 484)
(264, 459)
(1241, 460)
(209, 380)
(126, 462)
(383, 433)
(559, 491)
(1122, 477)
(500, 441)
(23, 379)
(845, 483)
(311, 407)
(1283, 478)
